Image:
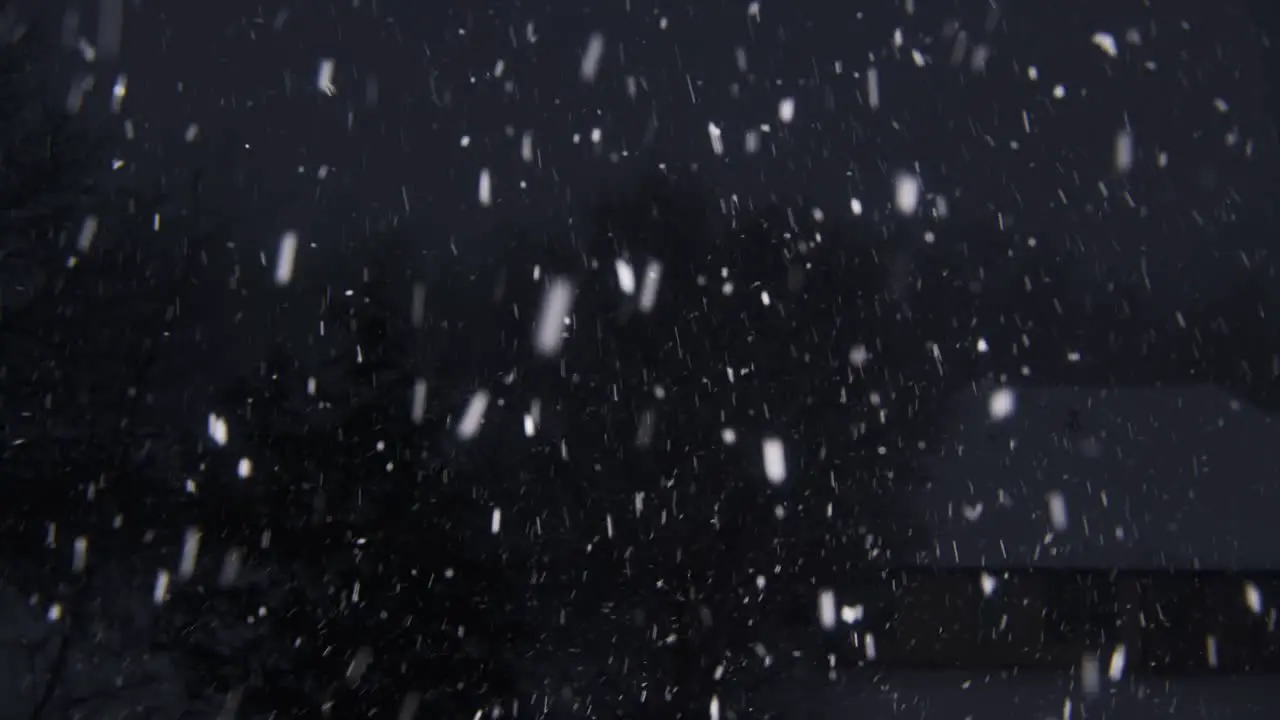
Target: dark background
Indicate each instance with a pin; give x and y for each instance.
(1161, 440)
(1193, 221)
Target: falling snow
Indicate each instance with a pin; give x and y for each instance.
(536, 355)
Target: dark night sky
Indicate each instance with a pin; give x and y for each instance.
(1011, 114)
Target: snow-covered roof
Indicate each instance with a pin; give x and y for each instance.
(1138, 478)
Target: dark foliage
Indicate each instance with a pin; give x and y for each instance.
(89, 292)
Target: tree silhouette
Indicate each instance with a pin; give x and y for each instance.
(374, 547)
(86, 305)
